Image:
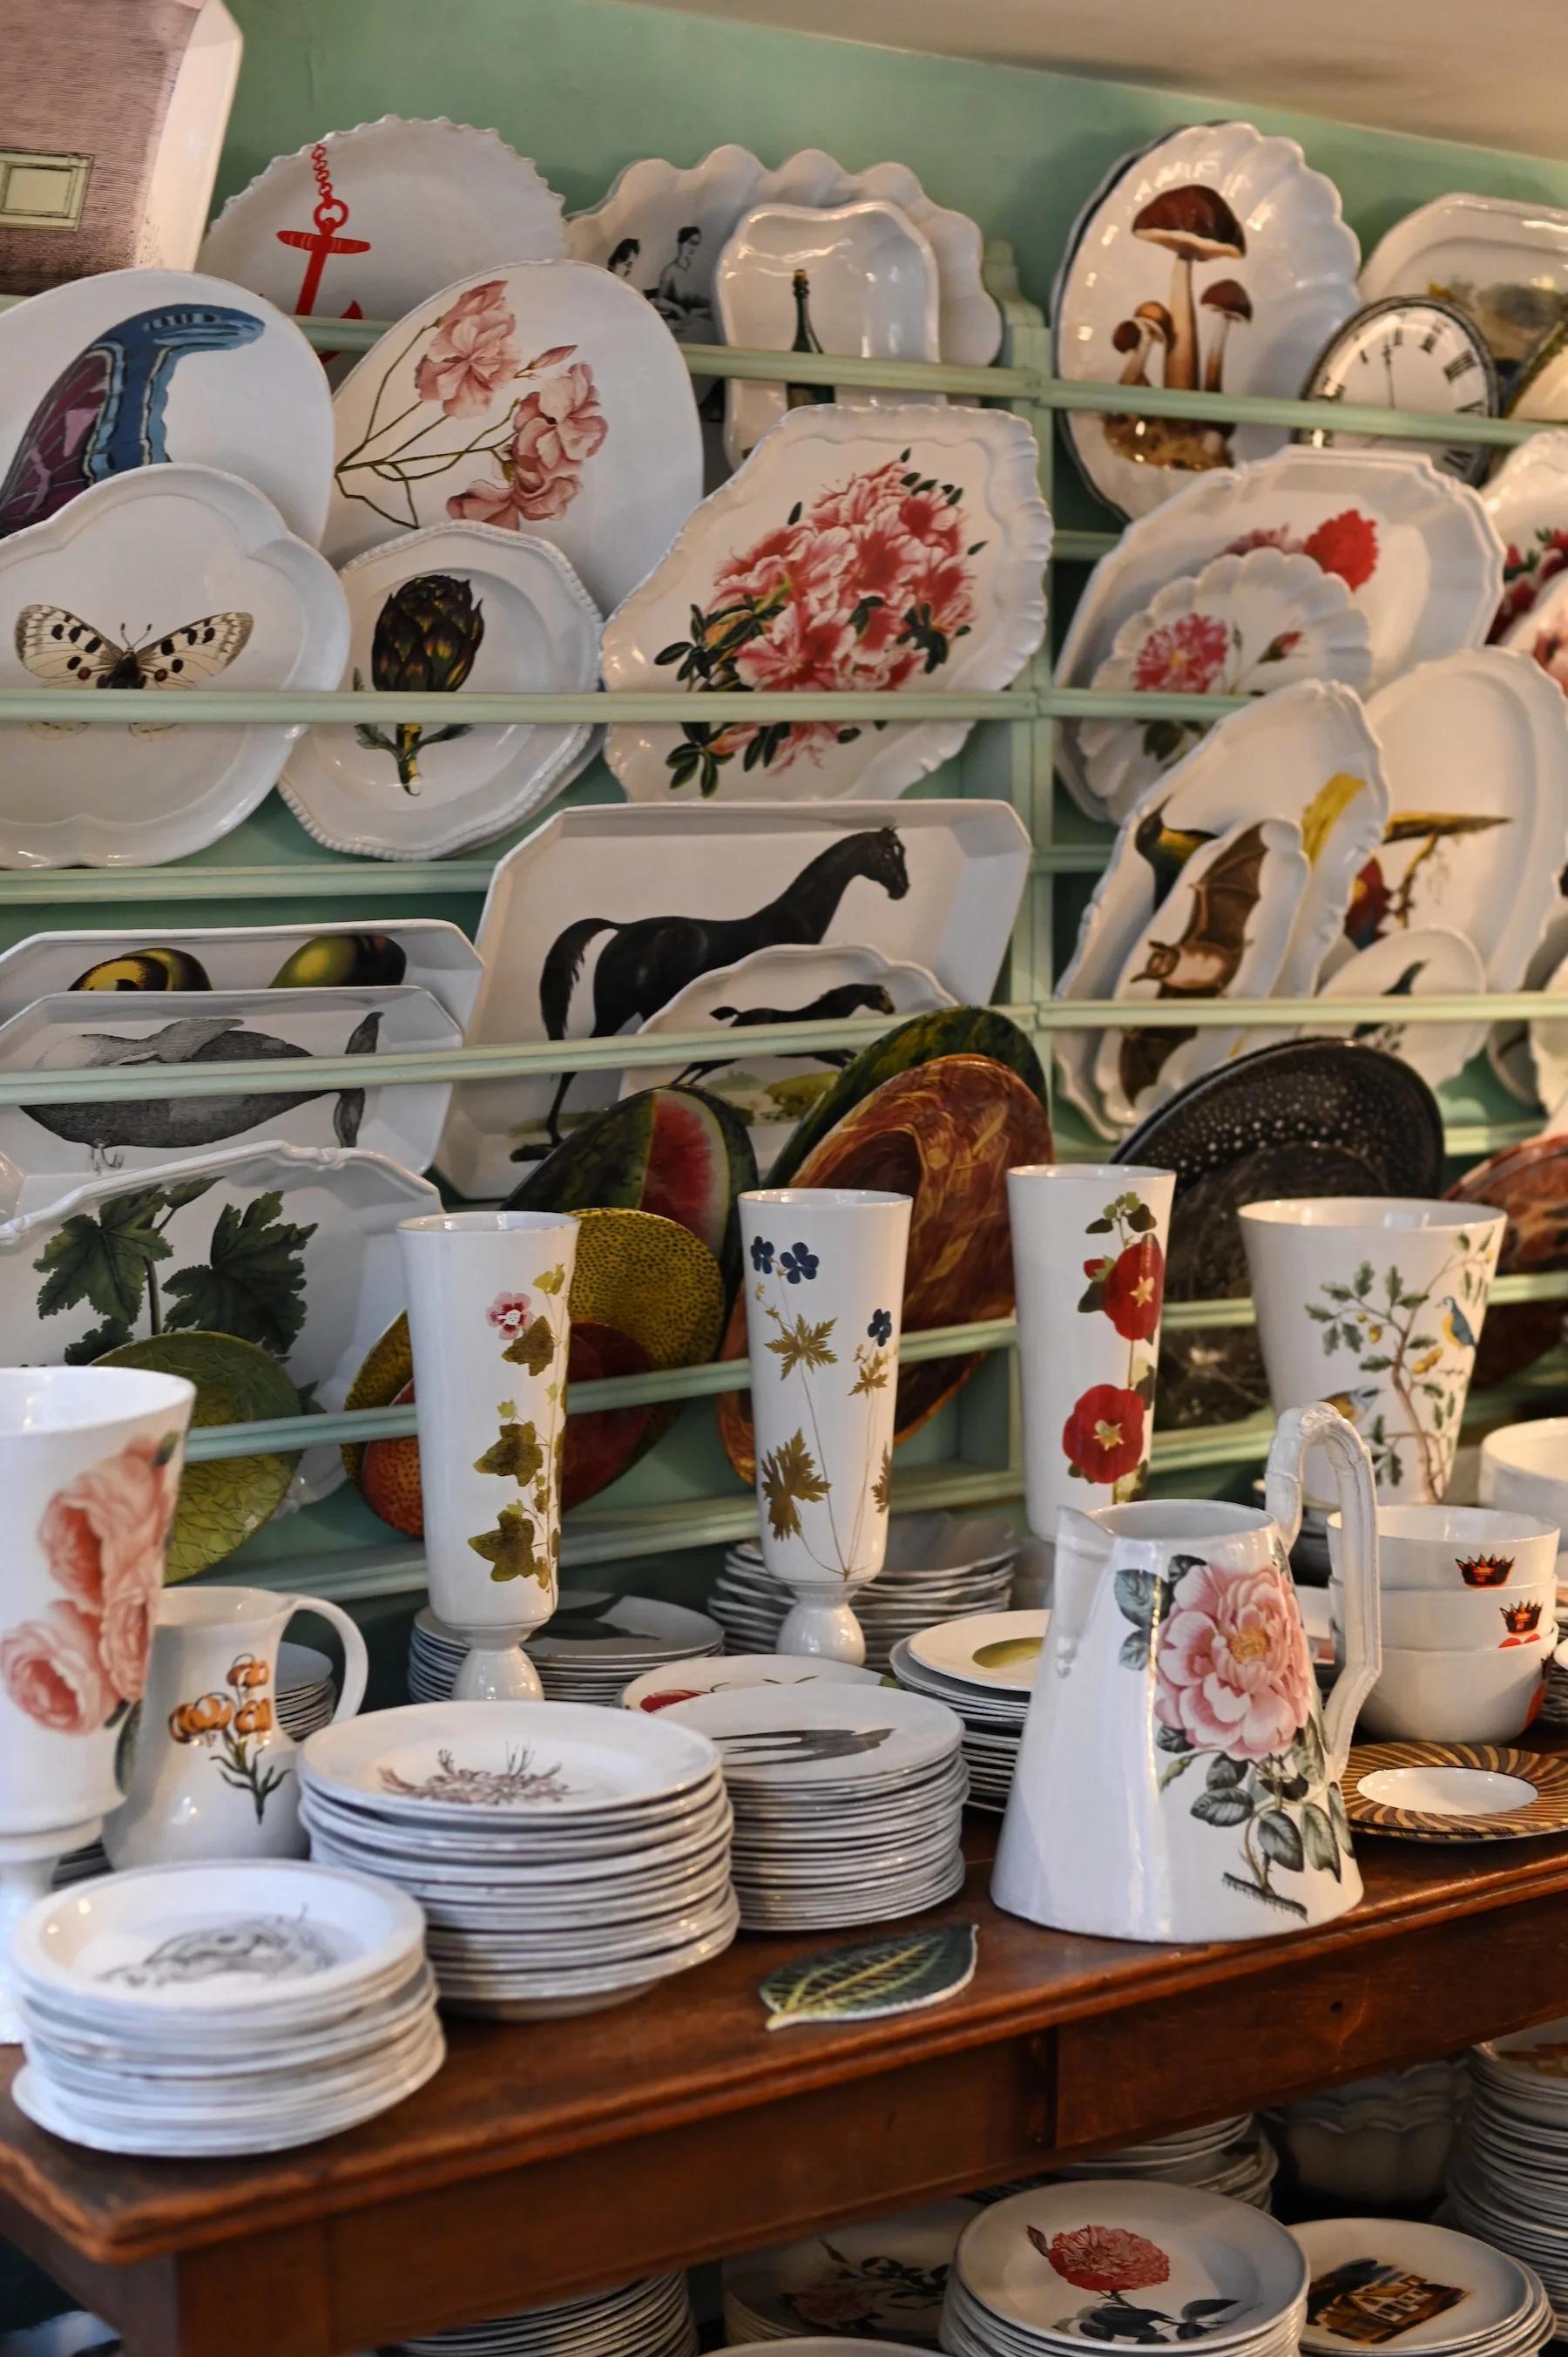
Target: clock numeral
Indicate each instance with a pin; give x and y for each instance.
(1459, 366)
(1397, 339)
(1429, 339)
(1457, 462)
(1471, 409)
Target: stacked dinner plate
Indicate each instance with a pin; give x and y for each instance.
(1232, 2156)
(983, 1668)
(1508, 2181)
(435, 1657)
(566, 1857)
(213, 2010)
(1041, 2274)
(848, 1800)
(651, 2318)
(938, 1565)
(589, 1651)
(1379, 2279)
(879, 2279)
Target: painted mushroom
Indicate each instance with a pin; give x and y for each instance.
(1194, 224)
(1131, 339)
(1231, 300)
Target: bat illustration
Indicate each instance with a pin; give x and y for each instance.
(1205, 962)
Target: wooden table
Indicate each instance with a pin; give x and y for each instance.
(548, 2160)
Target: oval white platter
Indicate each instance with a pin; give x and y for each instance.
(1527, 500)
(1212, 208)
(1511, 1046)
(181, 576)
(44, 1148)
(134, 368)
(871, 293)
(1415, 549)
(1503, 261)
(841, 525)
(1427, 959)
(556, 371)
(795, 982)
(1306, 755)
(363, 224)
(540, 630)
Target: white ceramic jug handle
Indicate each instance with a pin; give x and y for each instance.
(356, 1661)
(1299, 1429)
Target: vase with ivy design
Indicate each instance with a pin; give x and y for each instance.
(1088, 1263)
(489, 1326)
(824, 1292)
(1375, 1304)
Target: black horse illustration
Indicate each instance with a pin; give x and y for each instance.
(849, 998)
(653, 957)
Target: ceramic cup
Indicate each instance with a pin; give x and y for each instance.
(1376, 1304)
(90, 1467)
(1457, 1551)
(1524, 1466)
(1456, 1698)
(1089, 1263)
(489, 1322)
(824, 1292)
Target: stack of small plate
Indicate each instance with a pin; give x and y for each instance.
(1508, 2181)
(652, 2319)
(589, 1651)
(938, 1566)
(983, 1668)
(1041, 2274)
(188, 2011)
(435, 1657)
(879, 2279)
(566, 1857)
(1232, 2156)
(848, 1800)
(1374, 2279)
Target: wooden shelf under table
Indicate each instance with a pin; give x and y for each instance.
(552, 2158)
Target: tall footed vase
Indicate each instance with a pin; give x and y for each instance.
(824, 1290)
(488, 1318)
(90, 1466)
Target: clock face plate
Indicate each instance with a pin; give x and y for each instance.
(1407, 353)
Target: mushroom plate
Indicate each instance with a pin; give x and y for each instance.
(1216, 262)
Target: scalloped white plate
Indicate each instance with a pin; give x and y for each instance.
(1527, 500)
(1426, 960)
(863, 516)
(1501, 260)
(1277, 232)
(540, 631)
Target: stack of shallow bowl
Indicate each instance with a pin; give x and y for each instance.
(588, 1650)
(207, 2010)
(938, 1566)
(848, 1800)
(1469, 1619)
(1384, 2142)
(1508, 2181)
(983, 1668)
(1377, 2280)
(1232, 2157)
(1124, 2261)
(651, 2318)
(566, 1857)
(879, 2279)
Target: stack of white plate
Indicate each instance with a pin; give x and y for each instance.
(566, 1857)
(1230, 2157)
(1381, 2143)
(1124, 2260)
(848, 1800)
(880, 2279)
(589, 1651)
(435, 1657)
(938, 1566)
(1508, 2181)
(652, 2319)
(983, 1668)
(188, 2011)
(1382, 2279)
(1554, 1701)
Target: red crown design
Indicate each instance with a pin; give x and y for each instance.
(1521, 1620)
(1485, 1570)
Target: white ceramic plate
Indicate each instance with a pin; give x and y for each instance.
(1424, 960)
(424, 952)
(1306, 755)
(1244, 626)
(1511, 1046)
(994, 1650)
(859, 281)
(804, 1736)
(1549, 1045)
(363, 224)
(1415, 549)
(582, 1763)
(1527, 500)
(1213, 214)
(1435, 2288)
(630, 1629)
(841, 526)
(556, 373)
(45, 1149)
(163, 578)
(167, 365)
(770, 1093)
(935, 882)
(418, 793)
(679, 1681)
(1503, 261)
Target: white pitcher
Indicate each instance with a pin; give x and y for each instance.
(215, 1774)
(1178, 1777)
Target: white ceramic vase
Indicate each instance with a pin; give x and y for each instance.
(1375, 1304)
(824, 1292)
(214, 1774)
(1089, 1267)
(489, 1326)
(90, 1467)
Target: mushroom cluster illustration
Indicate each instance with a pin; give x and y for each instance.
(1195, 226)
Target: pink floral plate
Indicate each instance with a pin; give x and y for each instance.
(547, 398)
(1527, 500)
(855, 549)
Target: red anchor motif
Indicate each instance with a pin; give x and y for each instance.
(330, 216)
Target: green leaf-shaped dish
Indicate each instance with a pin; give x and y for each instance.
(874, 1978)
(223, 1500)
(952, 1031)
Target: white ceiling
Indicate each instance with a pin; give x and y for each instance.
(1490, 72)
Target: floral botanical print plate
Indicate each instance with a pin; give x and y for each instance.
(1527, 500)
(544, 398)
(856, 548)
(556, 1759)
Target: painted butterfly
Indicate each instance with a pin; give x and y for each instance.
(62, 650)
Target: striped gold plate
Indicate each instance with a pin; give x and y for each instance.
(1547, 1773)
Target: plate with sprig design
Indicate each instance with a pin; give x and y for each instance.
(1456, 1792)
